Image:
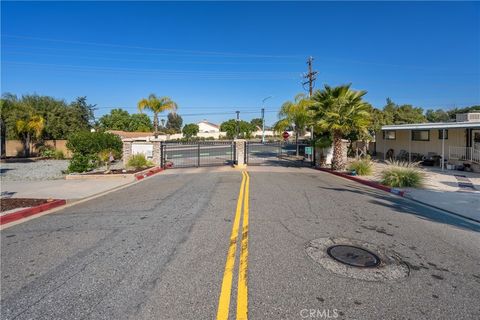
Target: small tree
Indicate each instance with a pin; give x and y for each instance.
(190, 130)
(86, 147)
(245, 129)
(258, 122)
(29, 130)
(174, 122)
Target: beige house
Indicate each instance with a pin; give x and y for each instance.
(454, 142)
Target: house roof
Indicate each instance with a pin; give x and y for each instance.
(433, 125)
(129, 135)
(209, 123)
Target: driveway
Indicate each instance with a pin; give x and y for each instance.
(158, 250)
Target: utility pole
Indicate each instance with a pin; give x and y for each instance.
(263, 117)
(238, 123)
(263, 125)
(311, 76)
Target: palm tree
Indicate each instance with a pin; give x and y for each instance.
(295, 113)
(29, 130)
(340, 111)
(156, 105)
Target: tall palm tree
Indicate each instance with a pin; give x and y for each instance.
(340, 111)
(29, 130)
(295, 113)
(156, 105)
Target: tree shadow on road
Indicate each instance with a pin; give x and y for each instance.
(405, 206)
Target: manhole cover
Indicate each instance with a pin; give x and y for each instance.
(353, 256)
(355, 259)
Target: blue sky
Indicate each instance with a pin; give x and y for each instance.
(217, 57)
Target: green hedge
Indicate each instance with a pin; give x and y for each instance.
(86, 147)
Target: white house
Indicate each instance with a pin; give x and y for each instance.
(207, 127)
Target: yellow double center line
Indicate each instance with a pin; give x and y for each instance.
(242, 292)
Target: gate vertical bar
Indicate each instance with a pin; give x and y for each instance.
(234, 153)
(245, 152)
(162, 155)
(314, 160)
(198, 155)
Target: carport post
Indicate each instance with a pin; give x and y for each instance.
(410, 147)
(443, 149)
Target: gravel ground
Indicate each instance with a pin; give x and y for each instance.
(33, 171)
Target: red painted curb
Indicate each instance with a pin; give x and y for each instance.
(365, 182)
(14, 216)
(151, 172)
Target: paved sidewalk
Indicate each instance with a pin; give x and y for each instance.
(70, 190)
(442, 189)
(464, 203)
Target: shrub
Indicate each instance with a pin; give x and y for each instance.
(51, 153)
(81, 163)
(137, 161)
(104, 157)
(86, 147)
(402, 174)
(47, 153)
(59, 155)
(362, 167)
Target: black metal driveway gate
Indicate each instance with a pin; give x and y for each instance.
(197, 154)
(279, 153)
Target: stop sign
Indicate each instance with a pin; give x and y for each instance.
(285, 135)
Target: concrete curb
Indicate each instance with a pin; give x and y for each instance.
(66, 204)
(148, 173)
(372, 184)
(21, 214)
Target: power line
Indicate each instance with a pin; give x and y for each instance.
(197, 52)
(240, 75)
(138, 60)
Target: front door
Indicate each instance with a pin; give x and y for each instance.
(476, 139)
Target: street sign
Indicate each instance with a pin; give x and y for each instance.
(308, 151)
(285, 135)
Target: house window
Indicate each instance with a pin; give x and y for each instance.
(440, 134)
(420, 135)
(389, 135)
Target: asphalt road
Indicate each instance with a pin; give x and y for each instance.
(158, 249)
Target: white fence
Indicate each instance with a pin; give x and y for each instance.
(464, 153)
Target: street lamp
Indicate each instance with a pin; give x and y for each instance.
(263, 117)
